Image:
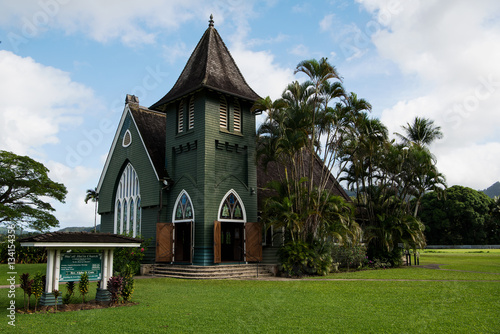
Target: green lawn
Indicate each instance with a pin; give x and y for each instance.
(296, 306)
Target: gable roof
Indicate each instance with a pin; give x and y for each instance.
(275, 171)
(151, 126)
(80, 239)
(210, 66)
(152, 129)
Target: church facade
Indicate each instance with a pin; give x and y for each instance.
(182, 172)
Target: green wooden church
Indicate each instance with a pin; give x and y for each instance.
(183, 171)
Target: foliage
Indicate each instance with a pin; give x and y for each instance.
(115, 287)
(128, 283)
(349, 256)
(22, 254)
(38, 287)
(132, 257)
(24, 184)
(26, 284)
(56, 294)
(84, 285)
(463, 216)
(316, 127)
(299, 258)
(93, 195)
(70, 290)
(390, 180)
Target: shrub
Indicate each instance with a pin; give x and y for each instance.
(70, 290)
(300, 258)
(56, 294)
(115, 287)
(130, 256)
(128, 283)
(349, 256)
(83, 286)
(37, 287)
(23, 254)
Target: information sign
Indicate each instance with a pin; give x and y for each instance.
(73, 265)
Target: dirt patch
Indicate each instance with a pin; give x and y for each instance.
(90, 305)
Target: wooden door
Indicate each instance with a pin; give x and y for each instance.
(164, 242)
(191, 246)
(217, 244)
(253, 242)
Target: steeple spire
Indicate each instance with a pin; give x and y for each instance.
(211, 21)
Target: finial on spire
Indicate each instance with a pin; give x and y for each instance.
(211, 21)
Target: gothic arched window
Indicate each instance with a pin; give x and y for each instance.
(183, 209)
(128, 203)
(232, 208)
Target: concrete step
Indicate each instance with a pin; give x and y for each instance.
(211, 272)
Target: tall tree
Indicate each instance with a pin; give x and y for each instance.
(24, 185)
(93, 195)
(319, 73)
(421, 132)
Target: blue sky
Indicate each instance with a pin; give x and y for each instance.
(66, 66)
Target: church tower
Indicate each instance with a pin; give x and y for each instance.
(209, 209)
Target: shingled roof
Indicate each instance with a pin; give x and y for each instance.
(275, 171)
(80, 238)
(210, 66)
(151, 126)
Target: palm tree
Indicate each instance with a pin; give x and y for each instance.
(93, 195)
(319, 73)
(421, 132)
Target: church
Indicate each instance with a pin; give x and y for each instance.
(183, 172)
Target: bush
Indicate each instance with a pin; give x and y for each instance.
(23, 255)
(70, 290)
(83, 286)
(130, 256)
(115, 287)
(349, 256)
(128, 284)
(37, 287)
(300, 258)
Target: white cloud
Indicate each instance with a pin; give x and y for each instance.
(74, 212)
(261, 71)
(300, 50)
(37, 101)
(326, 23)
(132, 22)
(452, 48)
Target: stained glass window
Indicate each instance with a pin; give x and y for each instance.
(231, 208)
(127, 203)
(184, 209)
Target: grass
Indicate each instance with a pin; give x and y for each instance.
(20, 269)
(297, 306)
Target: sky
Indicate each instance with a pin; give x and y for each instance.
(66, 67)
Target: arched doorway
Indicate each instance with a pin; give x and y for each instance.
(229, 229)
(183, 234)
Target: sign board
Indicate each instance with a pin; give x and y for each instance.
(73, 265)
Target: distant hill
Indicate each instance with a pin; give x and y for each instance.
(493, 190)
(80, 229)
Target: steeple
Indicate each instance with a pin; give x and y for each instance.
(210, 66)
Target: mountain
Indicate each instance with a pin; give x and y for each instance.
(493, 190)
(80, 229)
